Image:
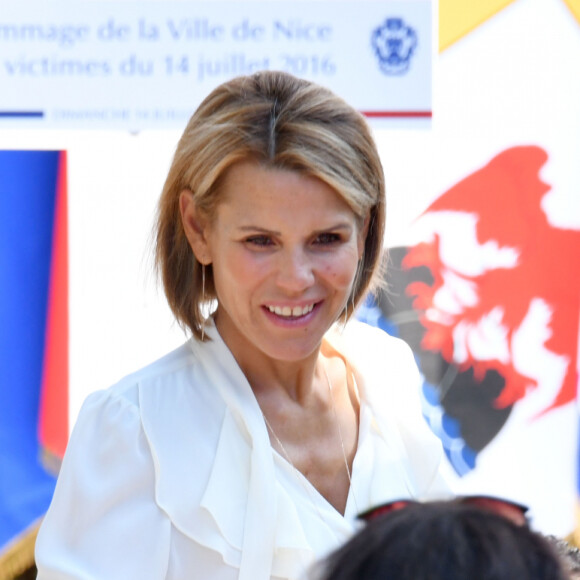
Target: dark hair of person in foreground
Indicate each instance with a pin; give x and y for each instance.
(444, 541)
(569, 553)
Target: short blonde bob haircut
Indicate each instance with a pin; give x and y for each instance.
(281, 122)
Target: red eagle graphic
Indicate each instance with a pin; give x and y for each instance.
(507, 286)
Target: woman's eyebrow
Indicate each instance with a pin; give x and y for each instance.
(332, 228)
(260, 229)
(251, 228)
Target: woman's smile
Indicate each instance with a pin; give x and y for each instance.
(291, 311)
(292, 316)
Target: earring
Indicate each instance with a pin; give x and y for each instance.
(355, 284)
(203, 301)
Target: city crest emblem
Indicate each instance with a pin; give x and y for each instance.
(394, 44)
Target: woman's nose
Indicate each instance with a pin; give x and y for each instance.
(295, 271)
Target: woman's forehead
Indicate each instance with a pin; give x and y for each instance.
(250, 182)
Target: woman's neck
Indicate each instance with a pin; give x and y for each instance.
(296, 380)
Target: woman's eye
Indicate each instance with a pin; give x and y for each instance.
(327, 239)
(260, 241)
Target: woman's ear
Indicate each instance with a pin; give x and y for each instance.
(196, 227)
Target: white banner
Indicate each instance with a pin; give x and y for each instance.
(133, 66)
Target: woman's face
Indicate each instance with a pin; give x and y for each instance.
(284, 249)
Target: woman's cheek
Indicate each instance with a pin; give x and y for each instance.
(340, 276)
(250, 270)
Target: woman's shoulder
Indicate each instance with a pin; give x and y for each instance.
(384, 365)
(169, 373)
(171, 364)
(162, 400)
(359, 340)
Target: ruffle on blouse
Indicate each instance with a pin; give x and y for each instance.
(223, 496)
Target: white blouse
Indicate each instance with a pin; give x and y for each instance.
(170, 474)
